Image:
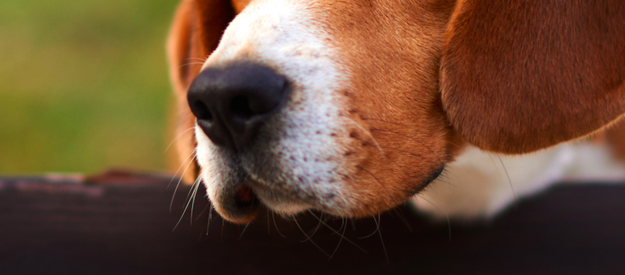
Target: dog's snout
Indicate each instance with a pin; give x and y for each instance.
(230, 103)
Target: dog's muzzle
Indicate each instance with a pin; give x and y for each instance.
(231, 103)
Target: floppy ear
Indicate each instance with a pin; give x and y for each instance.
(521, 75)
(196, 31)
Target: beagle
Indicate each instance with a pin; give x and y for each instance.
(354, 107)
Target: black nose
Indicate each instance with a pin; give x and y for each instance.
(232, 102)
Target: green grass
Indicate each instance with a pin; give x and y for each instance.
(83, 85)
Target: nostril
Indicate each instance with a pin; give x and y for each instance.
(231, 103)
(240, 108)
(200, 110)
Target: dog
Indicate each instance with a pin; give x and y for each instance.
(354, 107)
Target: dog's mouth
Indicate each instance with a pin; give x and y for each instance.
(239, 199)
(245, 200)
(240, 205)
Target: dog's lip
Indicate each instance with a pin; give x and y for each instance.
(275, 196)
(244, 201)
(244, 197)
(240, 206)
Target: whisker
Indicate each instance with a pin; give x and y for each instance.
(194, 186)
(408, 137)
(445, 181)
(314, 231)
(447, 177)
(376, 178)
(403, 125)
(180, 167)
(241, 236)
(404, 151)
(210, 218)
(268, 224)
(329, 227)
(341, 239)
(381, 120)
(171, 203)
(190, 63)
(509, 182)
(493, 161)
(378, 222)
(403, 219)
(199, 59)
(490, 156)
(377, 228)
(276, 225)
(392, 148)
(193, 197)
(342, 224)
(368, 133)
(177, 137)
(191, 190)
(309, 239)
(203, 210)
(446, 216)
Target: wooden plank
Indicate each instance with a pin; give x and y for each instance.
(119, 223)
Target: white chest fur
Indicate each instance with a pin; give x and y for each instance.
(480, 184)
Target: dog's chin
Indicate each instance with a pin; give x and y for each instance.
(244, 202)
(238, 194)
(279, 203)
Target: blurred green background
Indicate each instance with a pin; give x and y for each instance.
(83, 85)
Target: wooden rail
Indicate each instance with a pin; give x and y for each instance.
(119, 223)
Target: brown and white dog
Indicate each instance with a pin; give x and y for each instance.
(352, 107)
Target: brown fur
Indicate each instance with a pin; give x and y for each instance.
(615, 136)
(239, 5)
(393, 94)
(426, 75)
(197, 29)
(519, 76)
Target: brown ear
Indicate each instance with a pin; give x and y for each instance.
(197, 28)
(521, 75)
